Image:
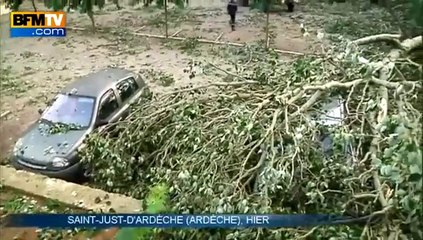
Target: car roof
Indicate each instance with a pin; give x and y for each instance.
(94, 84)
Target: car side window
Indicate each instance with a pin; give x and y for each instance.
(127, 88)
(108, 105)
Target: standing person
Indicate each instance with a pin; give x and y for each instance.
(232, 9)
(290, 4)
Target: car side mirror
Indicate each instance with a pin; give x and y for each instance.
(40, 111)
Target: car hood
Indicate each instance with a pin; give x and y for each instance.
(40, 146)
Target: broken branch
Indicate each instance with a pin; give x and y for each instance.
(394, 38)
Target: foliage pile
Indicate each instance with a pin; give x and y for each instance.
(156, 202)
(251, 145)
(365, 18)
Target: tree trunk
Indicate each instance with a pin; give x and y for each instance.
(267, 27)
(166, 26)
(116, 2)
(383, 3)
(130, 2)
(33, 5)
(91, 15)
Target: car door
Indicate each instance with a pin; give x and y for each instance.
(108, 109)
(128, 91)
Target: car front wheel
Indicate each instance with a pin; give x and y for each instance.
(86, 172)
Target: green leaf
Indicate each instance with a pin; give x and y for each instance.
(401, 192)
(419, 184)
(14, 4)
(396, 177)
(126, 234)
(100, 3)
(157, 201)
(180, 3)
(160, 3)
(388, 152)
(377, 162)
(415, 169)
(57, 4)
(48, 3)
(386, 170)
(86, 6)
(415, 157)
(414, 177)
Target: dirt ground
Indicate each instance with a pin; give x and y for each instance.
(40, 67)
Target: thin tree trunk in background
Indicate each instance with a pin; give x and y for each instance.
(130, 2)
(267, 27)
(165, 7)
(33, 5)
(116, 2)
(91, 15)
(383, 3)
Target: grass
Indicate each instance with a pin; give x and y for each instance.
(159, 77)
(13, 201)
(10, 84)
(358, 25)
(176, 17)
(189, 46)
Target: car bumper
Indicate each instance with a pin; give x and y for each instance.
(72, 173)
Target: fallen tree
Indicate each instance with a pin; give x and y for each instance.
(251, 145)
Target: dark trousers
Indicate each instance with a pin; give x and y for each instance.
(232, 18)
(232, 21)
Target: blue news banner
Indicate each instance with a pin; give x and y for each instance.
(37, 32)
(172, 220)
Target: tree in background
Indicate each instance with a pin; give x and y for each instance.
(417, 12)
(85, 6)
(263, 5)
(408, 13)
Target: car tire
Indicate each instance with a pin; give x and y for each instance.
(86, 173)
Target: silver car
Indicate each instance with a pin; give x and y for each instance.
(49, 146)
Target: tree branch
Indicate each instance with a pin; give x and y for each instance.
(393, 38)
(412, 43)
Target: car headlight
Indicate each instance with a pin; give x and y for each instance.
(18, 146)
(59, 162)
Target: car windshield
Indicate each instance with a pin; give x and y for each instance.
(70, 110)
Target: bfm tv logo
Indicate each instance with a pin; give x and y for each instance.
(37, 24)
